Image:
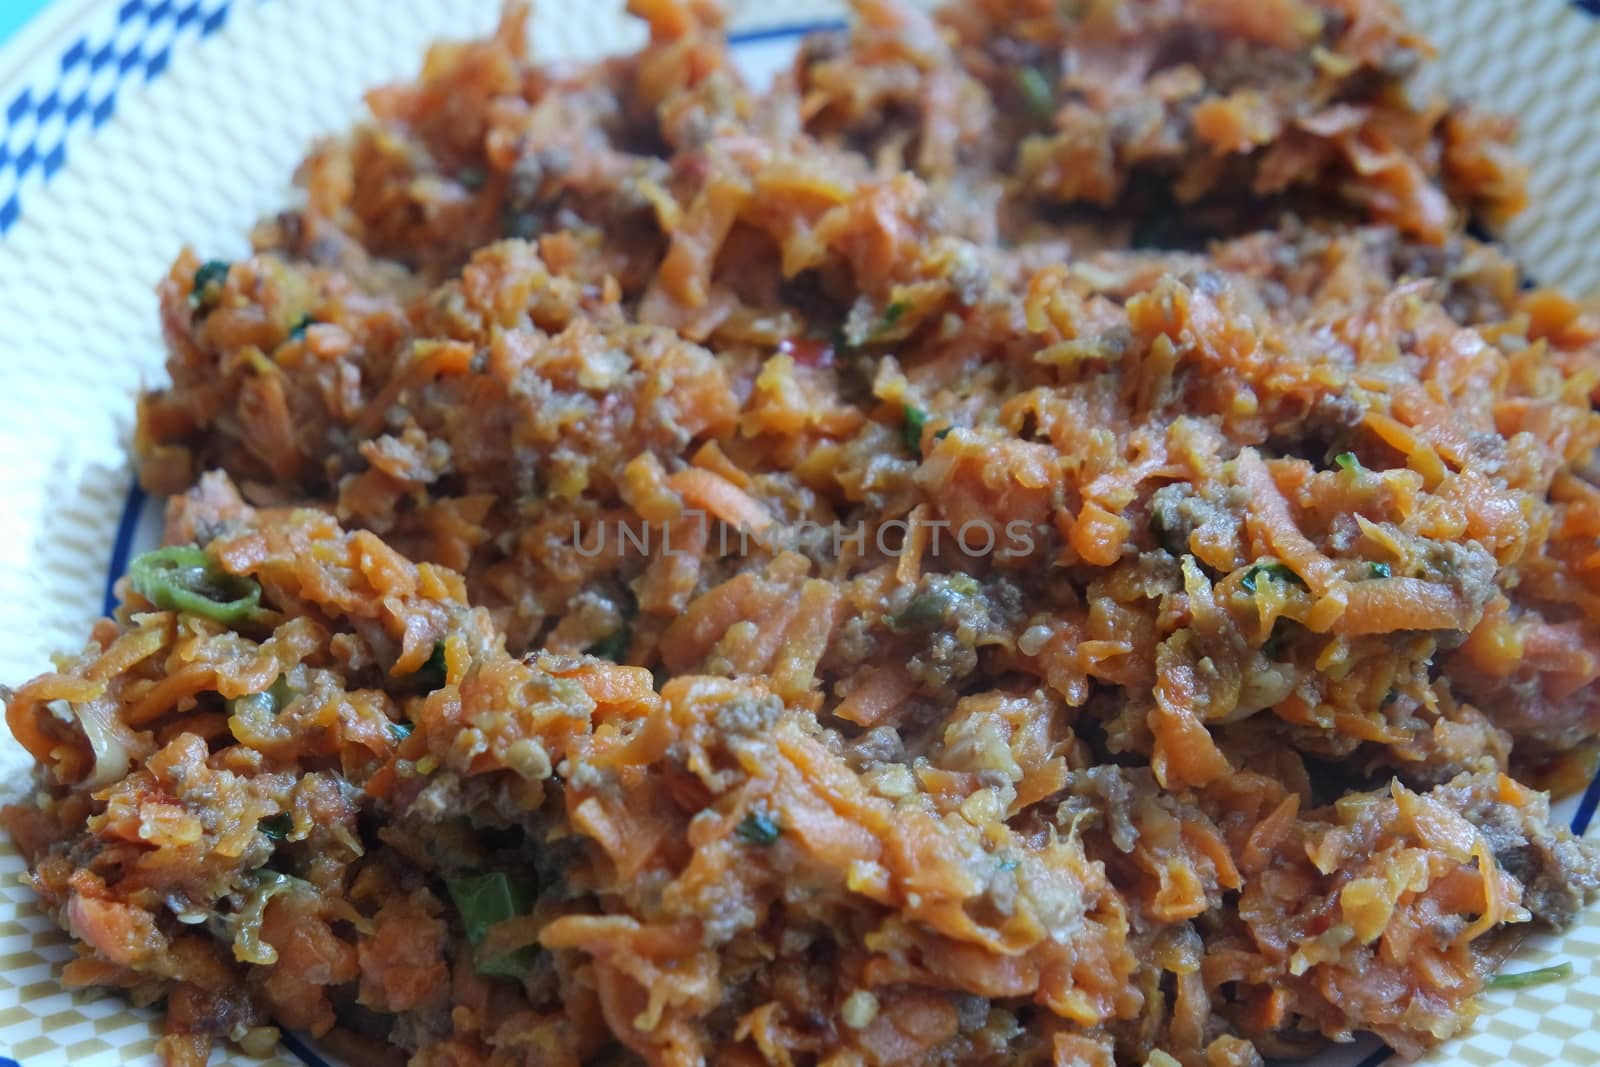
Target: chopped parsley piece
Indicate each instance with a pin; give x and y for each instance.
(297, 332)
(1347, 461)
(400, 731)
(1380, 570)
(943, 432)
(183, 578)
(1529, 979)
(759, 828)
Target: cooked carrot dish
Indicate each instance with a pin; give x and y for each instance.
(1040, 539)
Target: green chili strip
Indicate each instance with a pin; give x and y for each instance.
(1529, 979)
(482, 900)
(187, 579)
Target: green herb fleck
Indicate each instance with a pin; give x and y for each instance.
(183, 578)
(522, 224)
(1347, 461)
(1037, 94)
(889, 319)
(483, 900)
(276, 827)
(1167, 527)
(613, 647)
(434, 672)
(1163, 230)
(1282, 628)
(911, 429)
(759, 828)
(297, 332)
(1529, 979)
(1379, 570)
(400, 731)
(208, 280)
(472, 178)
(926, 611)
(943, 432)
(277, 697)
(1275, 571)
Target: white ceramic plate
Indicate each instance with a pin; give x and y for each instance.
(133, 127)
